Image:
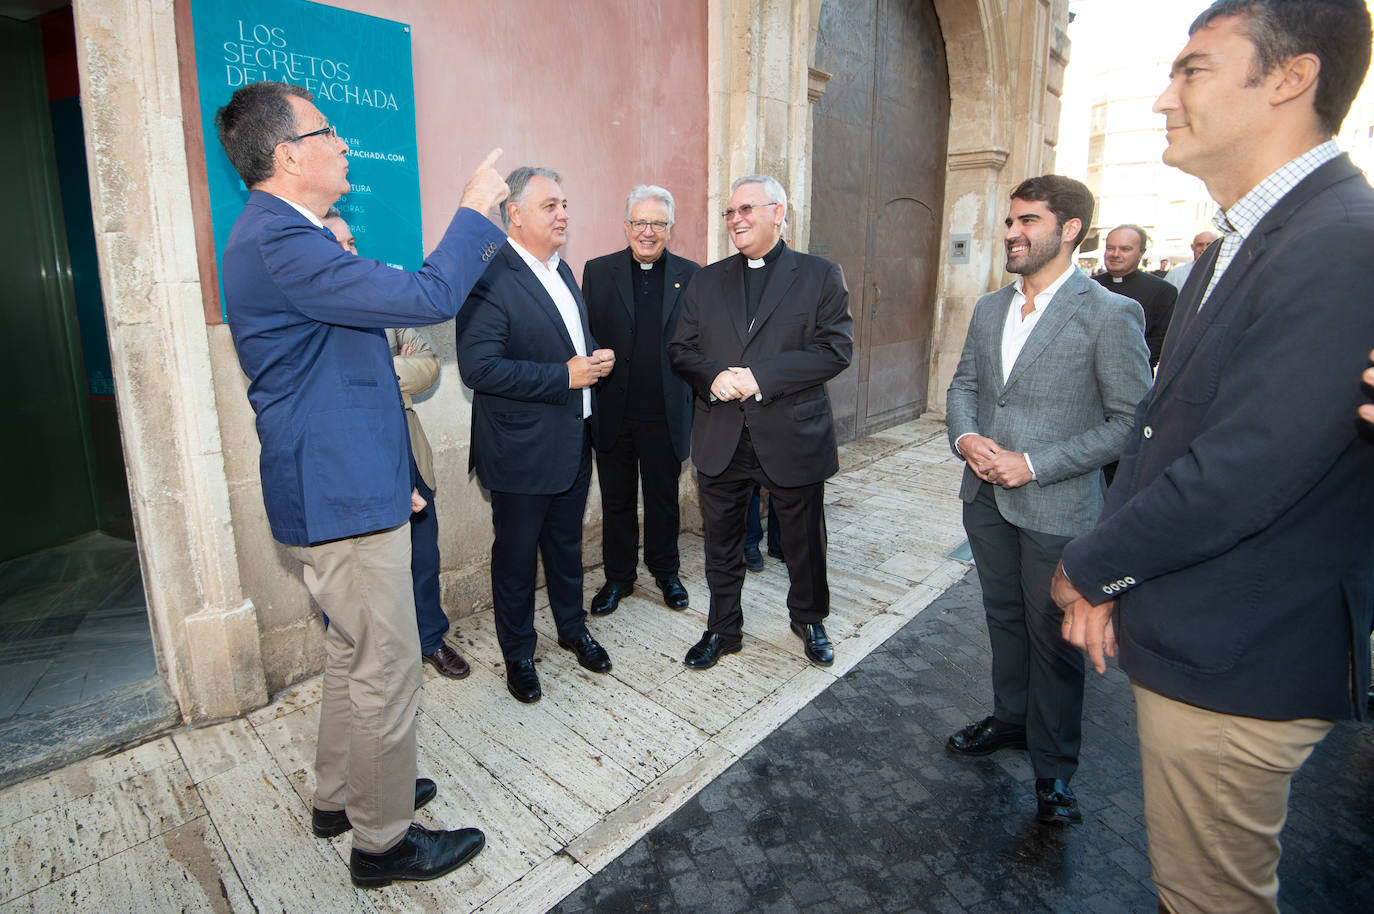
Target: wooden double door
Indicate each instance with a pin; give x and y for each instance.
(880, 135)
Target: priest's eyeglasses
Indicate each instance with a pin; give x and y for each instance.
(639, 225)
(744, 210)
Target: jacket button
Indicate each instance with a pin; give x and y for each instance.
(1148, 432)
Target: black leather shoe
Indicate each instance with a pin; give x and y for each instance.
(1054, 802)
(522, 681)
(753, 559)
(674, 594)
(328, 823)
(704, 654)
(448, 662)
(818, 648)
(986, 737)
(609, 597)
(591, 655)
(777, 554)
(422, 854)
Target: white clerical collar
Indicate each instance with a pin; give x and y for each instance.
(645, 266)
(314, 220)
(755, 264)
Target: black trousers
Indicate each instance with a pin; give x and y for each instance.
(800, 516)
(549, 527)
(1037, 676)
(641, 457)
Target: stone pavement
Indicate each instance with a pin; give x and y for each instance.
(853, 805)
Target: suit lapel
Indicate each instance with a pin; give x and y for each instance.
(621, 273)
(524, 275)
(1177, 352)
(675, 279)
(784, 274)
(733, 295)
(1061, 308)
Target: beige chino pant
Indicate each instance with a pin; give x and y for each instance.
(1216, 798)
(365, 754)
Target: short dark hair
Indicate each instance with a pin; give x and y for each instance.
(517, 181)
(1336, 31)
(257, 118)
(1065, 197)
(1144, 238)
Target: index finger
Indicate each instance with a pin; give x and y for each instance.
(491, 158)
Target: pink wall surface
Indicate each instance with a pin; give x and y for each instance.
(610, 93)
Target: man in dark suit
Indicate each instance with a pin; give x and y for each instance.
(1052, 368)
(644, 410)
(526, 351)
(759, 335)
(307, 321)
(1233, 565)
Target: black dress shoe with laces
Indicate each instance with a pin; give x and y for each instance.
(591, 655)
(818, 648)
(1055, 802)
(422, 854)
(986, 737)
(328, 823)
(522, 681)
(609, 597)
(704, 654)
(448, 662)
(674, 594)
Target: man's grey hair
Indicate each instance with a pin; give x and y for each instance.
(771, 188)
(518, 182)
(1140, 232)
(643, 192)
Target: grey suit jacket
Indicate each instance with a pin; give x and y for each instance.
(1068, 401)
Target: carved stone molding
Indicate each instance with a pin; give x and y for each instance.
(816, 81)
(993, 157)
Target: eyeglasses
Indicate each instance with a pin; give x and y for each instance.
(331, 131)
(639, 225)
(744, 210)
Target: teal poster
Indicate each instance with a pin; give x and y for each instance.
(359, 70)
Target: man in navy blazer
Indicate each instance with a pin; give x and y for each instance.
(644, 410)
(526, 351)
(1233, 565)
(307, 322)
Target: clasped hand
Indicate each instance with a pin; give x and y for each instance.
(586, 370)
(994, 464)
(734, 384)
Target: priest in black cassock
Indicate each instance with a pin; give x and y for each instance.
(1125, 246)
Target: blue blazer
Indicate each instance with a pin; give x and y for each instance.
(1238, 534)
(307, 321)
(513, 348)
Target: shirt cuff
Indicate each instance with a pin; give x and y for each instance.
(1030, 466)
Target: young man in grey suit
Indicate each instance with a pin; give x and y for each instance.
(1051, 371)
(1234, 561)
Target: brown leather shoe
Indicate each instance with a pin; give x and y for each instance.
(448, 662)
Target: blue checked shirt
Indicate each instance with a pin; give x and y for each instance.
(1236, 224)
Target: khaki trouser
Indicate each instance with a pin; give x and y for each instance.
(1216, 798)
(365, 754)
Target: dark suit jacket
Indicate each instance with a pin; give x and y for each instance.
(607, 288)
(307, 321)
(801, 338)
(1238, 532)
(513, 349)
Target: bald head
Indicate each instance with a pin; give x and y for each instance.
(1200, 242)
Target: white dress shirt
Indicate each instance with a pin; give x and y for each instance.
(565, 303)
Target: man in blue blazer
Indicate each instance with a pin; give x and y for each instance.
(526, 351)
(1234, 562)
(307, 321)
(1042, 398)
